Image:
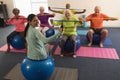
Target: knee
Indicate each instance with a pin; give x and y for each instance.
(104, 31)
(73, 40)
(63, 40)
(90, 32)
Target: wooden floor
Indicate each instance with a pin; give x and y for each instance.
(58, 74)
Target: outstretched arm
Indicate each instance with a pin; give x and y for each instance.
(82, 19)
(112, 18)
(54, 10)
(77, 12)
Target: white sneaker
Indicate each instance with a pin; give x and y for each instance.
(74, 56)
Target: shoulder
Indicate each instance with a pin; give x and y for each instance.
(74, 18)
(91, 14)
(12, 17)
(46, 13)
(38, 14)
(104, 15)
(21, 16)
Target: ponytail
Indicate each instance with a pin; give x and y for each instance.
(29, 18)
(26, 29)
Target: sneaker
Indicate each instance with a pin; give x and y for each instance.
(61, 55)
(74, 56)
(101, 45)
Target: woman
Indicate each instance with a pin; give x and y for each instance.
(44, 19)
(19, 23)
(69, 24)
(36, 40)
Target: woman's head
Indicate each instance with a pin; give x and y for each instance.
(41, 9)
(68, 13)
(33, 20)
(16, 11)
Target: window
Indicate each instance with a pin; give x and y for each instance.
(36, 5)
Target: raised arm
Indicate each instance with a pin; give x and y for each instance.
(54, 10)
(43, 38)
(80, 12)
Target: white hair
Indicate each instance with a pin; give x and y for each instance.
(67, 10)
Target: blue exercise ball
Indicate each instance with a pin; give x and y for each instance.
(68, 47)
(96, 38)
(17, 42)
(50, 32)
(37, 69)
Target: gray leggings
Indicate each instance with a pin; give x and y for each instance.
(64, 39)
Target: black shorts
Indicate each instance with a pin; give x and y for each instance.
(97, 31)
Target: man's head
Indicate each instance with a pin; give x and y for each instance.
(67, 6)
(97, 10)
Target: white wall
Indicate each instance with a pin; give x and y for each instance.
(10, 5)
(109, 7)
(24, 6)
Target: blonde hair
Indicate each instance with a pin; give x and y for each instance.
(69, 11)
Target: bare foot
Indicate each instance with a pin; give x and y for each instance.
(8, 50)
(101, 45)
(89, 44)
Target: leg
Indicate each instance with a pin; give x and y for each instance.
(64, 38)
(90, 36)
(8, 40)
(104, 33)
(73, 39)
(23, 38)
(44, 30)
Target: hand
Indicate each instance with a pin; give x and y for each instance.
(59, 29)
(84, 10)
(115, 18)
(53, 14)
(49, 8)
(51, 20)
(80, 18)
(112, 18)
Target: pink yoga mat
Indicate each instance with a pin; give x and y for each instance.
(4, 48)
(94, 52)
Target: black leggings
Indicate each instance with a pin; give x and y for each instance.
(14, 33)
(97, 31)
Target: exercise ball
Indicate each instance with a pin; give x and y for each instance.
(37, 69)
(68, 47)
(17, 42)
(50, 32)
(96, 38)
